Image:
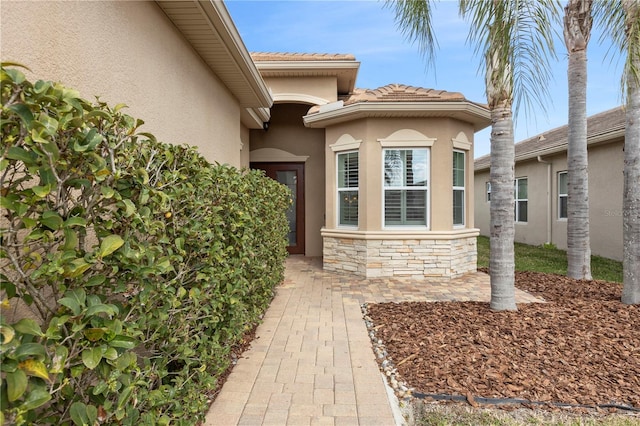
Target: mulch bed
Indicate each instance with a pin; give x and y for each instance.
(581, 347)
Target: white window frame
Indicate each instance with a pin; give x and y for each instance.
(340, 190)
(461, 188)
(517, 199)
(487, 186)
(426, 188)
(564, 195)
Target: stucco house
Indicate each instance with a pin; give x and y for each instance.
(541, 186)
(381, 178)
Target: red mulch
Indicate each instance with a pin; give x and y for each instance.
(582, 347)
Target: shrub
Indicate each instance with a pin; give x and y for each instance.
(138, 264)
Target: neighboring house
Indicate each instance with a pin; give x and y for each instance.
(541, 186)
(381, 178)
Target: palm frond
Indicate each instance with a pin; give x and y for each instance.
(632, 21)
(516, 41)
(609, 18)
(619, 21)
(414, 19)
(633, 44)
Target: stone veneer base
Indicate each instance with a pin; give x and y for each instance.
(381, 257)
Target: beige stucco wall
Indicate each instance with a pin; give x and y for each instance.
(126, 52)
(245, 149)
(605, 201)
(606, 164)
(481, 206)
(441, 132)
(529, 232)
(558, 226)
(287, 133)
(534, 230)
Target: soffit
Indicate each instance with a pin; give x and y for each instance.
(343, 67)
(603, 127)
(208, 27)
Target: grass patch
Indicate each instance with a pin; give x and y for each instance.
(549, 259)
(424, 414)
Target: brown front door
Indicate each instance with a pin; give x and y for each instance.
(291, 175)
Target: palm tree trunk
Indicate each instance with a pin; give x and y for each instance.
(502, 230)
(577, 29)
(631, 194)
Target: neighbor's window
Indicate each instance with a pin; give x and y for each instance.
(521, 198)
(488, 187)
(563, 193)
(406, 185)
(458, 187)
(348, 188)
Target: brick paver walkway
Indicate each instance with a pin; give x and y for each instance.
(311, 362)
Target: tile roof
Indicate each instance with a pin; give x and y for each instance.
(283, 56)
(600, 125)
(398, 100)
(401, 93)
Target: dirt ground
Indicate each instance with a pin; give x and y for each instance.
(581, 347)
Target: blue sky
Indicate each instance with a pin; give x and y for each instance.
(366, 29)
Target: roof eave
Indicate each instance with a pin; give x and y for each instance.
(466, 111)
(229, 58)
(592, 140)
(346, 71)
(255, 118)
(337, 64)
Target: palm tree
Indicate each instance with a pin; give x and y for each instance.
(577, 31)
(631, 200)
(414, 19)
(622, 20)
(515, 38)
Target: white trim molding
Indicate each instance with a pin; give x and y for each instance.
(298, 97)
(400, 235)
(461, 142)
(346, 142)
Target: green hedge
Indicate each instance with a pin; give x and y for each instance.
(141, 263)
